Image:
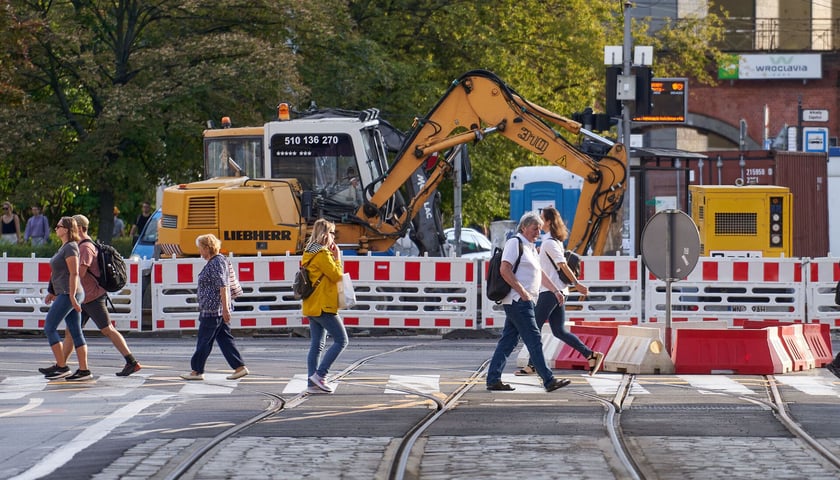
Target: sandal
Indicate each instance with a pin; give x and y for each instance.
(528, 370)
(596, 359)
(500, 387)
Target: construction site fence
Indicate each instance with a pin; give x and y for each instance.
(447, 293)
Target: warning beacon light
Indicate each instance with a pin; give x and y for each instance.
(283, 111)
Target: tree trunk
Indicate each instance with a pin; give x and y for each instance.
(106, 216)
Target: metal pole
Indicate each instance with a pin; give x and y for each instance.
(669, 245)
(628, 46)
(457, 203)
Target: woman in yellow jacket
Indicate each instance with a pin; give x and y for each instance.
(322, 260)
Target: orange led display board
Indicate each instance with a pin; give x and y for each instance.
(669, 99)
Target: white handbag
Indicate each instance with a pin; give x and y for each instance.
(346, 293)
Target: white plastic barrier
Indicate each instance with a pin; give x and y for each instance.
(732, 289)
(615, 293)
(23, 286)
(822, 276)
(391, 292)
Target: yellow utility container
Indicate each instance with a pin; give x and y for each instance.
(743, 221)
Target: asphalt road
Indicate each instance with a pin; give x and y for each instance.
(148, 424)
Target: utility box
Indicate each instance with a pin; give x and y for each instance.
(743, 221)
(536, 187)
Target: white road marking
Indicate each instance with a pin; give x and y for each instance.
(113, 386)
(297, 384)
(428, 384)
(88, 437)
(607, 384)
(19, 387)
(716, 383)
(213, 384)
(811, 385)
(33, 403)
(523, 384)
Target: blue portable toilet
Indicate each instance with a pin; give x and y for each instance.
(534, 188)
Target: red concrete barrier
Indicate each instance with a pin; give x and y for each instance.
(735, 351)
(818, 337)
(598, 338)
(796, 347)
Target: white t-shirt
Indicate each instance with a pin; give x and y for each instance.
(553, 248)
(528, 273)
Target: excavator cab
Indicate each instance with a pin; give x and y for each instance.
(233, 152)
(333, 155)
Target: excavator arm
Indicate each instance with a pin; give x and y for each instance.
(479, 104)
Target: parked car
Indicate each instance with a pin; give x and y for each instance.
(144, 249)
(473, 243)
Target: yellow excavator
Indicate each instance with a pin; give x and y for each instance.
(263, 195)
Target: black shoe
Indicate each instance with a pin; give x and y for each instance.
(128, 369)
(80, 375)
(557, 383)
(500, 387)
(48, 370)
(60, 372)
(831, 367)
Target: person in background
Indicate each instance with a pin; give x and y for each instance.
(551, 304)
(10, 225)
(322, 259)
(119, 225)
(65, 293)
(834, 365)
(142, 219)
(519, 306)
(37, 228)
(94, 306)
(214, 304)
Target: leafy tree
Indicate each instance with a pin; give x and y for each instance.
(106, 99)
(118, 91)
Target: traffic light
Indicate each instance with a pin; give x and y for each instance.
(612, 105)
(644, 98)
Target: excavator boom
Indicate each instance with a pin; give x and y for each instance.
(480, 104)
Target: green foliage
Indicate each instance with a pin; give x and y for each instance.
(104, 101)
(25, 250)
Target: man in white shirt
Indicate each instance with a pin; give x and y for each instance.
(519, 304)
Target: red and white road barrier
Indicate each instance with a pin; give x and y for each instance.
(615, 293)
(734, 290)
(391, 292)
(23, 287)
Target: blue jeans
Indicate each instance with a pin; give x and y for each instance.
(318, 328)
(62, 309)
(549, 309)
(213, 328)
(519, 322)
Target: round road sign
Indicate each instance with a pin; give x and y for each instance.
(670, 245)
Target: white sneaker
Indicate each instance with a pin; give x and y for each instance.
(313, 390)
(190, 376)
(321, 383)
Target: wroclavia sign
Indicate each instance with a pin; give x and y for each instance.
(770, 67)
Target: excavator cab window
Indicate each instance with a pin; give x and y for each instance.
(324, 164)
(223, 156)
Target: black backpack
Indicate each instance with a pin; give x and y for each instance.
(303, 287)
(113, 272)
(497, 287)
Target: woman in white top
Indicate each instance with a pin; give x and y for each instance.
(550, 304)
